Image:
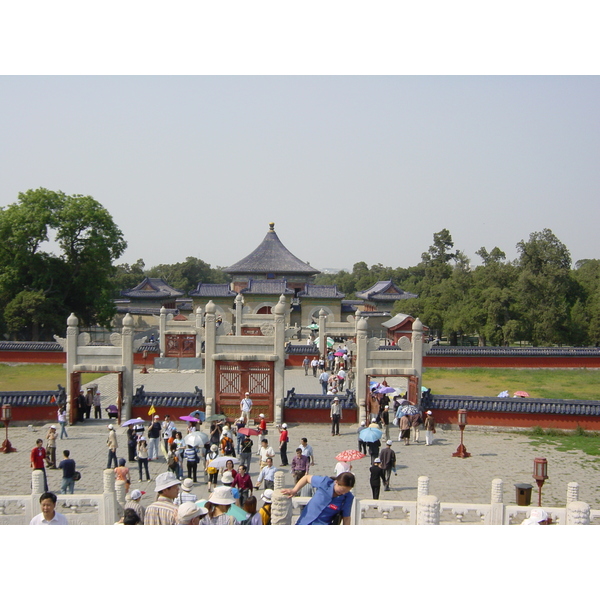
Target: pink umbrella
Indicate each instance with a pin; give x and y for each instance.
(521, 395)
(248, 431)
(349, 455)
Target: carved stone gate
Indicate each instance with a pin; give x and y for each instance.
(234, 378)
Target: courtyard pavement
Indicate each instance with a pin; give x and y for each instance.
(494, 454)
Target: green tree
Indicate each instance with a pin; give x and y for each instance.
(77, 279)
(545, 288)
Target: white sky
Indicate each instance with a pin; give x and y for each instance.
(350, 168)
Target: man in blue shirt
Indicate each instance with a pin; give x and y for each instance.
(331, 497)
(68, 468)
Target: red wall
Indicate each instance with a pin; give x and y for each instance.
(525, 420)
(317, 415)
(517, 362)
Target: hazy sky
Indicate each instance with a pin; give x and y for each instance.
(350, 168)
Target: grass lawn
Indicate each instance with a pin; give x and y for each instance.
(558, 384)
(567, 441)
(25, 378)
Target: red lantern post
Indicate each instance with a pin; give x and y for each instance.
(540, 474)
(6, 417)
(461, 451)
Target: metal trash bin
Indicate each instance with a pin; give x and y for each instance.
(523, 494)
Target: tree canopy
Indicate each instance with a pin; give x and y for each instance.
(39, 289)
(537, 298)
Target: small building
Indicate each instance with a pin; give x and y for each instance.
(380, 297)
(401, 325)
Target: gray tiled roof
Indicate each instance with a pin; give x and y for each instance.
(212, 290)
(271, 256)
(321, 291)
(267, 286)
(381, 291)
(152, 288)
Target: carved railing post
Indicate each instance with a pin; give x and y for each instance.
(281, 509)
(108, 508)
(428, 510)
(578, 513)
(423, 486)
(496, 514)
(572, 492)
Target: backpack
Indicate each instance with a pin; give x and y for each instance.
(228, 448)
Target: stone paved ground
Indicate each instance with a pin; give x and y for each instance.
(502, 454)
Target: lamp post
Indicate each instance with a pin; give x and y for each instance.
(6, 417)
(461, 451)
(540, 474)
(145, 355)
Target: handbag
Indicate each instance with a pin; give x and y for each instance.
(76, 476)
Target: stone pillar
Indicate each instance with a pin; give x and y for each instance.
(199, 335)
(496, 514)
(210, 344)
(120, 492)
(71, 346)
(361, 365)
(281, 509)
(279, 480)
(127, 358)
(572, 492)
(428, 510)
(162, 330)
(108, 511)
(239, 307)
(323, 332)
(37, 489)
(279, 367)
(417, 354)
(423, 486)
(578, 513)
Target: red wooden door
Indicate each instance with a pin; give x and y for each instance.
(180, 345)
(235, 378)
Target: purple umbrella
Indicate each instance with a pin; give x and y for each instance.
(189, 418)
(385, 390)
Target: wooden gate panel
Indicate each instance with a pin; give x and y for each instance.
(180, 345)
(234, 378)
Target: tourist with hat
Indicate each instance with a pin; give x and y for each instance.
(537, 516)
(284, 438)
(376, 478)
(154, 431)
(133, 503)
(227, 481)
(112, 444)
(429, 428)
(246, 407)
(262, 426)
(163, 511)
(217, 505)
(388, 463)
(265, 511)
(185, 493)
(51, 447)
(190, 514)
(213, 472)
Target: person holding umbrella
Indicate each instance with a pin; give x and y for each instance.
(331, 502)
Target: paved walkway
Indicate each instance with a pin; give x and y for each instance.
(502, 454)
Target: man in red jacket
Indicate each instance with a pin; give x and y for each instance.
(38, 458)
